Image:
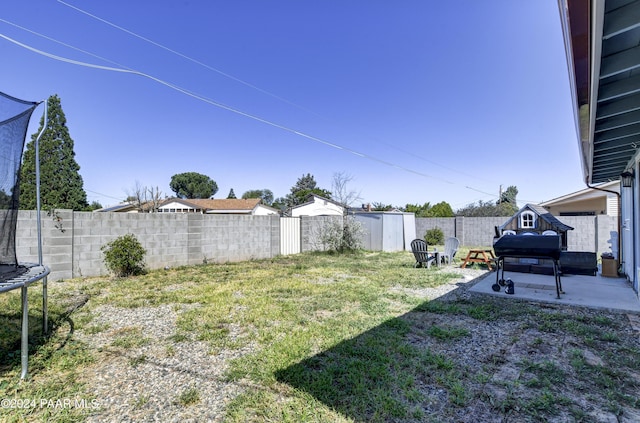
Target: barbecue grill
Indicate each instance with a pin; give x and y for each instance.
(529, 246)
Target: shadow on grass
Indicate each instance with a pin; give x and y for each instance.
(379, 375)
(11, 332)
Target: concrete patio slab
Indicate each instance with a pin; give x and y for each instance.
(587, 291)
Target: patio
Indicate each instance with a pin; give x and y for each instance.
(587, 291)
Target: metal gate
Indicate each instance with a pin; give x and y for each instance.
(289, 235)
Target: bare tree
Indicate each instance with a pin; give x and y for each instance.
(341, 191)
(145, 199)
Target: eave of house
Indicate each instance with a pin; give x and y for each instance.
(602, 42)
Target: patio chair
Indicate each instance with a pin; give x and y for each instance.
(451, 245)
(421, 253)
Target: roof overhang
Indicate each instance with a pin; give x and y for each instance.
(600, 190)
(602, 42)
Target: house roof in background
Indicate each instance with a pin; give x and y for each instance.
(116, 208)
(585, 193)
(311, 199)
(217, 204)
(126, 207)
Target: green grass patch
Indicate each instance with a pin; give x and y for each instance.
(189, 397)
(447, 333)
(340, 338)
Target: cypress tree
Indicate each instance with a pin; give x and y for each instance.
(61, 185)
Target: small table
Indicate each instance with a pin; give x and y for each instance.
(480, 256)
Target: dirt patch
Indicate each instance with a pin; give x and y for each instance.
(525, 361)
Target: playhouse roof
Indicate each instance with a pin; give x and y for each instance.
(543, 214)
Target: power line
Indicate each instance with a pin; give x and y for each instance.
(211, 68)
(124, 69)
(220, 105)
(184, 56)
(62, 43)
(104, 195)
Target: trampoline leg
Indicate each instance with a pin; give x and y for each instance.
(24, 350)
(45, 312)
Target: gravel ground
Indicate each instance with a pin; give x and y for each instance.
(168, 381)
(146, 383)
(158, 380)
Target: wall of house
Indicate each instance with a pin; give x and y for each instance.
(599, 205)
(318, 208)
(260, 210)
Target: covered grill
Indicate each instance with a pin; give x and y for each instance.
(529, 246)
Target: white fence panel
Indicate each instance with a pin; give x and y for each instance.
(289, 235)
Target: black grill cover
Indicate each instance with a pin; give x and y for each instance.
(543, 246)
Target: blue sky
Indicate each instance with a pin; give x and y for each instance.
(418, 100)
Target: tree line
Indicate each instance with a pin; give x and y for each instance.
(62, 184)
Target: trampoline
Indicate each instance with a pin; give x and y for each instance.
(14, 121)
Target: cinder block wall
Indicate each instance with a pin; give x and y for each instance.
(57, 240)
(471, 231)
(446, 224)
(310, 230)
(72, 241)
(479, 231)
(584, 236)
(591, 233)
(227, 238)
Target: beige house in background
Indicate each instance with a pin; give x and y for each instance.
(251, 206)
(604, 199)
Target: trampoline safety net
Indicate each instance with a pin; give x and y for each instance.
(14, 121)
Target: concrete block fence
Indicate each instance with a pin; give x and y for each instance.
(72, 241)
(591, 233)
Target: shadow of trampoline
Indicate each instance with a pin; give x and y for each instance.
(10, 333)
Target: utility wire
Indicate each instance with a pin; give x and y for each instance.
(184, 56)
(104, 195)
(211, 68)
(63, 44)
(220, 105)
(125, 69)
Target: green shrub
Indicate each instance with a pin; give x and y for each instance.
(434, 236)
(124, 256)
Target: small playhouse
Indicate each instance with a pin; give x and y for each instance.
(537, 221)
